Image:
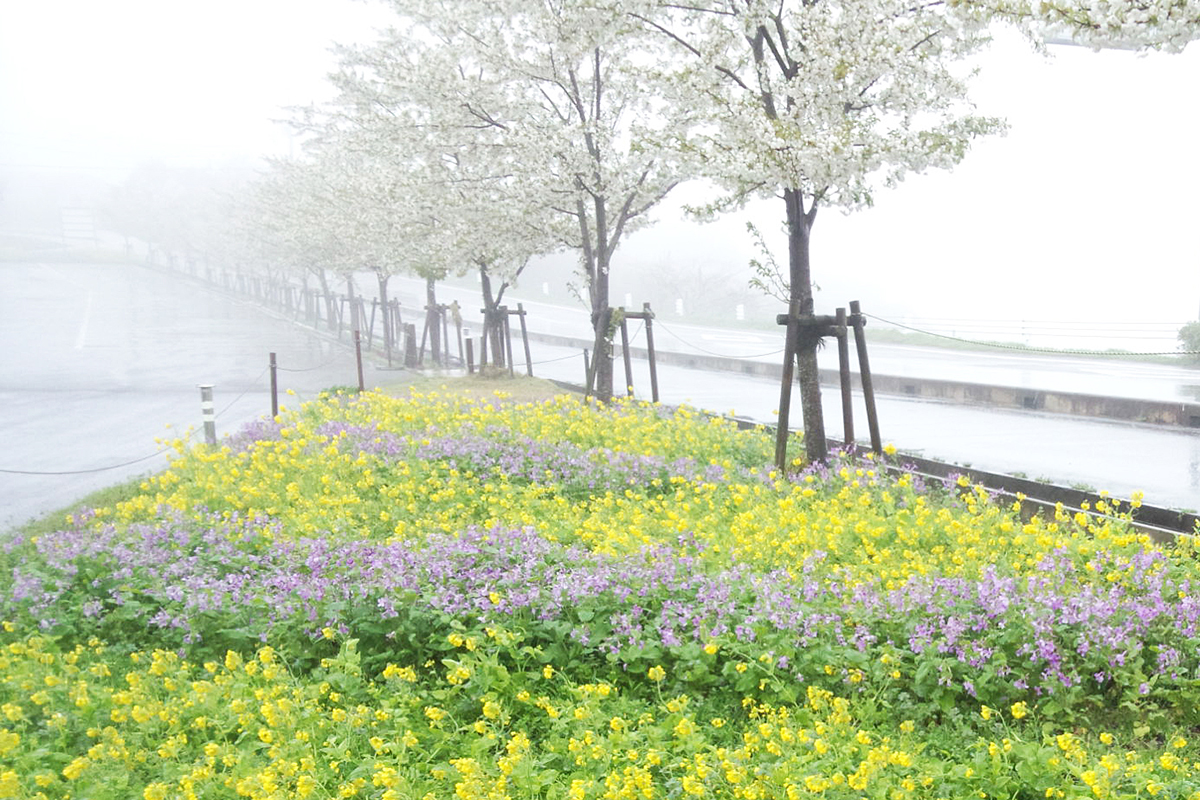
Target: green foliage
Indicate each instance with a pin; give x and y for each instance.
(1189, 336)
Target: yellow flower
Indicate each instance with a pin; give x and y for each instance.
(547, 672)
(9, 740)
(1019, 710)
(985, 712)
(1106, 738)
(656, 673)
(75, 768)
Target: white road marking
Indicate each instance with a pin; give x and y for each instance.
(81, 338)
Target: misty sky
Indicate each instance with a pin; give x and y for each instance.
(1086, 211)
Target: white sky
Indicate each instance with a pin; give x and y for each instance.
(98, 83)
(1087, 210)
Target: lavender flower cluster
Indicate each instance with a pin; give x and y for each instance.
(497, 453)
(999, 636)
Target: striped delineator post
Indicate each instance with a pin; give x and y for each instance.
(206, 411)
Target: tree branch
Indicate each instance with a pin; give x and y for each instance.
(733, 76)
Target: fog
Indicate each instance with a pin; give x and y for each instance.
(1084, 213)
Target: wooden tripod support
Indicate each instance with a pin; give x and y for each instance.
(801, 327)
(647, 316)
(499, 320)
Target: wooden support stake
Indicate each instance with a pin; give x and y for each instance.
(411, 359)
(844, 379)
(625, 356)
(588, 376)
(650, 351)
(525, 340)
(483, 340)
(508, 342)
(424, 338)
(458, 328)
(864, 370)
(785, 386)
(470, 355)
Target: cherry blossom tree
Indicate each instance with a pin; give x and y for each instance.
(572, 113)
(821, 103)
(412, 101)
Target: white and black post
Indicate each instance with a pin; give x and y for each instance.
(206, 411)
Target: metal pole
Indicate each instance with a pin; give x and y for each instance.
(358, 359)
(650, 351)
(274, 388)
(587, 374)
(844, 378)
(206, 412)
(864, 370)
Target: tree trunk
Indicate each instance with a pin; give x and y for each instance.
(331, 310)
(433, 321)
(382, 277)
(493, 323)
(354, 324)
(799, 226)
(602, 354)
